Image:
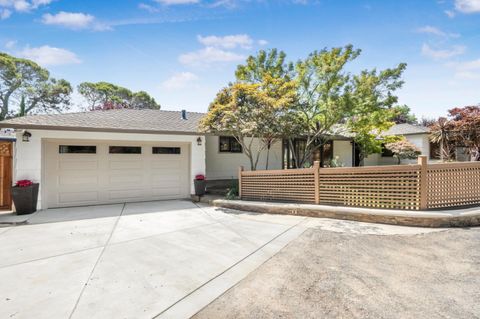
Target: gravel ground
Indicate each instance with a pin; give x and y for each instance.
(326, 274)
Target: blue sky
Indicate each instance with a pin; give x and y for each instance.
(183, 51)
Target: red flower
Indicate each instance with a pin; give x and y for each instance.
(24, 183)
(200, 177)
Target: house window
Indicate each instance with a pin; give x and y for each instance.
(125, 149)
(165, 150)
(386, 152)
(77, 149)
(228, 144)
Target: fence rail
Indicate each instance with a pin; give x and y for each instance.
(414, 187)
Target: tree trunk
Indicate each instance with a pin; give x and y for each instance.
(4, 110)
(441, 150)
(252, 165)
(268, 155)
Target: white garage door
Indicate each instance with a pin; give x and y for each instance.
(89, 172)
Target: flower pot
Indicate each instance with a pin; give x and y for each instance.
(200, 187)
(25, 199)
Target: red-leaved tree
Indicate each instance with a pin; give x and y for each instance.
(465, 123)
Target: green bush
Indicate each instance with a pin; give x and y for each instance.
(232, 191)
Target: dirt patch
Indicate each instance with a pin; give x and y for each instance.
(324, 274)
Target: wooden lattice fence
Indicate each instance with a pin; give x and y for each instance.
(413, 187)
(453, 184)
(285, 185)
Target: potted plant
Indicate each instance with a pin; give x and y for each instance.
(25, 196)
(200, 184)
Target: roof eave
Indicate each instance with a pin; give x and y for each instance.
(93, 129)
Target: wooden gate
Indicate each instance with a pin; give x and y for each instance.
(6, 175)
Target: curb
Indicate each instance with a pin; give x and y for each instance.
(468, 217)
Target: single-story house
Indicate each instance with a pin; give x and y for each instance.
(416, 134)
(123, 155)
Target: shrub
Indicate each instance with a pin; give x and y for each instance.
(403, 149)
(232, 191)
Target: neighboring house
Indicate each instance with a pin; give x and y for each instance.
(137, 155)
(416, 134)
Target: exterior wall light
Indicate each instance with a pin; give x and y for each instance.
(199, 141)
(26, 136)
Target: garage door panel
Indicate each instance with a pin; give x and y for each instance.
(101, 178)
(69, 198)
(162, 180)
(126, 194)
(75, 180)
(166, 191)
(87, 164)
(166, 164)
(126, 164)
(126, 179)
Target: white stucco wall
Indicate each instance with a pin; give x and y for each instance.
(225, 165)
(419, 140)
(343, 149)
(28, 163)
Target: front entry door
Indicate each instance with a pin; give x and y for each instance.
(6, 175)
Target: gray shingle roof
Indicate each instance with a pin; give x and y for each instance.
(407, 129)
(123, 120)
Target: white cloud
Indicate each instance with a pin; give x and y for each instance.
(467, 6)
(436, 31)
(209, 55)
(175, 2)
(10, 44)
(466, 70)
(37, 3)
(148, 7)
(227, 42)
(22, 5)
(47, 55)
(229, 4)
(219, 49)
(179, 81)
(5, 14)
(449, 13)
(74, 21)
(439, 54)
(232, 4)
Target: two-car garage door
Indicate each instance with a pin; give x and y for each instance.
(89, 172)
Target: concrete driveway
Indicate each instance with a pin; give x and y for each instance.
(165, 259)
(138, 260)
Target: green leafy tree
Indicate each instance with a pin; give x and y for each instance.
(104, 95)
(403, 114)
(403, 149)
(272, 63)
(325, 95)
(250, 110)
(372, 113)
(259, 69)
(24, 80)
(324, 89)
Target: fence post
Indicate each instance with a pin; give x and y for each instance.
(422, 160)
(240, 170)
(316, 172)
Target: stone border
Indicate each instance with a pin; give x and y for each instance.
(466, 217)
